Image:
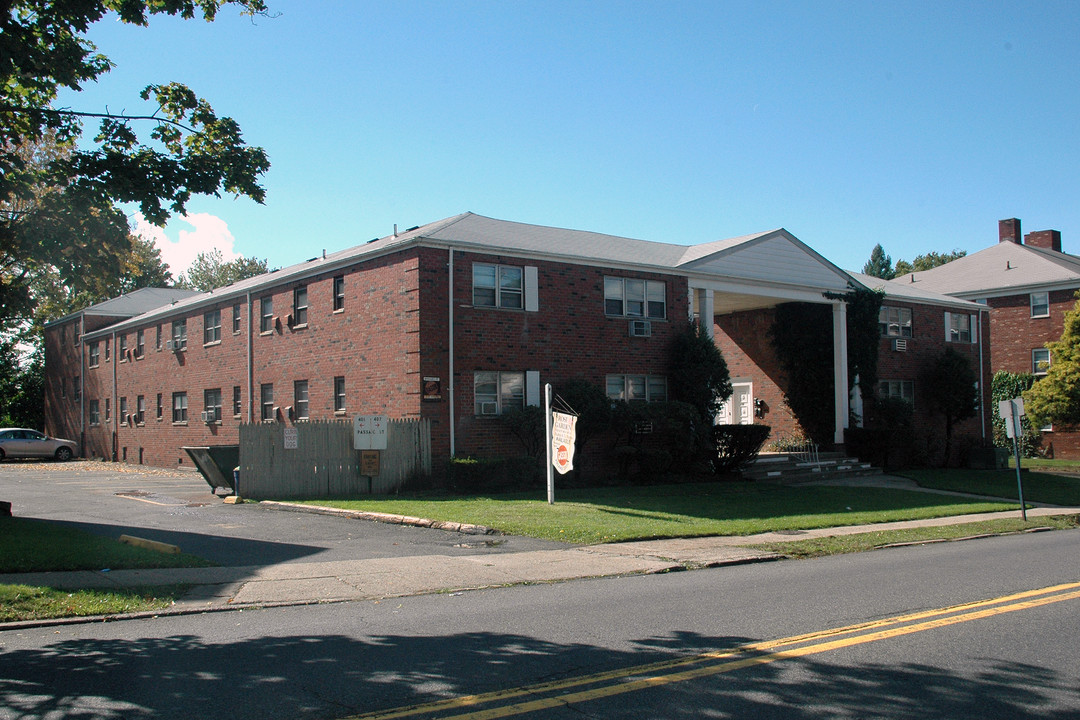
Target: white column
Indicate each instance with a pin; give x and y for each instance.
(706, 309)
(840, 375)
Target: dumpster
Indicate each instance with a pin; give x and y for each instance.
(215, 463)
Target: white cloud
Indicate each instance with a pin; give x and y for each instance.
(209, 232)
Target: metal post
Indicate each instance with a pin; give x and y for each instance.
(547, 442)
(1015, 419)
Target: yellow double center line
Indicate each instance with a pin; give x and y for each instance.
(501, 703)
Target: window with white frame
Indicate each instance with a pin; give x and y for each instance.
(266, 399)
(123, 409)
(179, 334)
(339, 393)
(1040, 361)
(236, 318)
(898, 389)
(300, 306)
(140, 343)
(339, 293)
(894, 322)
(140, 409)
(179, 407)
(300, 399)
(212, 327)
(495, 393)
(631, 297)
(266, 314)
(1040, 304)
(960, 328)
(212, 404)
(160, 408)
(637, 388)
(95, 413)
(94, 354)
(501, 286)
(121, 347)
(237, 405)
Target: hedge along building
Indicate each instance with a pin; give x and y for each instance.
(456, 321)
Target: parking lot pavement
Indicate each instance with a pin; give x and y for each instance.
(178, 508)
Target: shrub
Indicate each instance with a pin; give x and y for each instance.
(643, 429)
(469, 476)
(736, 445)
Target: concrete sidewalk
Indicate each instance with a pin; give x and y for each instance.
(294, 583)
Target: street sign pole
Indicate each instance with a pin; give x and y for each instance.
(1015, 420)
(548, 443)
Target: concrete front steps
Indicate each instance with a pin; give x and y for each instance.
(790, 469)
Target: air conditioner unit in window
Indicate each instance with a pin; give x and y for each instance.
(899, 344)
(489, 408)
(640, 328)
(170, 345)
(207, 416)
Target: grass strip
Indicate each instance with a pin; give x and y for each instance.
(30, 545)
(820, 547)
(601, 515)
(24, 602)
(1054, 489)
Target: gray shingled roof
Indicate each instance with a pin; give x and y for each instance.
(1001, 269)
(908, 291)
(470, 231)
(134, 303)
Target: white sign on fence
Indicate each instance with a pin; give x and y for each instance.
(292, 438)
(369, 432)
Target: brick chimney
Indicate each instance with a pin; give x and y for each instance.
(1047, 239)
(1009, 230)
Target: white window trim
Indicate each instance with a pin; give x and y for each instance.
(622, 298)
(1034, 363)
(500, 400)
(1031, 300)
(973, 328)
(648, 381)
(530, 298)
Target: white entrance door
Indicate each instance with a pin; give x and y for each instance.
(739, 408)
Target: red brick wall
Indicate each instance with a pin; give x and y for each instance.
(62, 372)
(1016, 334)
(569, 337)
(743, 338)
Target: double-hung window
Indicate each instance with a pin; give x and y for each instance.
(121, 347)
(212, 404)
(961, 328)
(123, 409)
(236, 318)
(897, 389)
(94, 354)
(631, 297)
(339, 293)
(140, 343)
(1040, 361)
(179, 407)
(95, 413)
(1040, 304)
(266, 398)
(212, 327)
(140, 409)
(894, 322)
(237, 405)
(499, 286)
(266, 314)
(637, 388)
(300, 306)
(339, 393)
(495, 393)
(300, 399)
(179, 336)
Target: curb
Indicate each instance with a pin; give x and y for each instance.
(465, 528)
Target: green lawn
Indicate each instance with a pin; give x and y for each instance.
(598, 515)
(1038, 486)
(28, 545)
(23, 602)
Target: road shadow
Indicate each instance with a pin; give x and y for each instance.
(306, 676)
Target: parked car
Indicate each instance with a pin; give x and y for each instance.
(21, 442)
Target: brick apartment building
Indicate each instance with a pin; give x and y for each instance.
(1028, 286)
(454, 321)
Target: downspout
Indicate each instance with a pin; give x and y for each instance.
(115, 409)
(982, 377)
(82, 392)
(250, 361)
(450, 325)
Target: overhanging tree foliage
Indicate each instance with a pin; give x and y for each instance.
(62, 211)
(1056, 397)
(209, 271)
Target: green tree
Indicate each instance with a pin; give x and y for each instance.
(950, 387)
(64, 210)
(879, 265)
(210, 271)
(927, 261)
(698, 374)
(1056, 397)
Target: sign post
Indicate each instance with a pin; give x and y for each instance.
(1011, 411)
(547, 437)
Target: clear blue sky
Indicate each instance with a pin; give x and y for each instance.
(916, 125)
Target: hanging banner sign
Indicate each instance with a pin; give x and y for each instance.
(563, 434)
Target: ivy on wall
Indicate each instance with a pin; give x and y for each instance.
(1006, 386)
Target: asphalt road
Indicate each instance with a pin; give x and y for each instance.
(179, 508)
(957, 630)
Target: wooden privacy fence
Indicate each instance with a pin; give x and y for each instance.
(324, 463)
